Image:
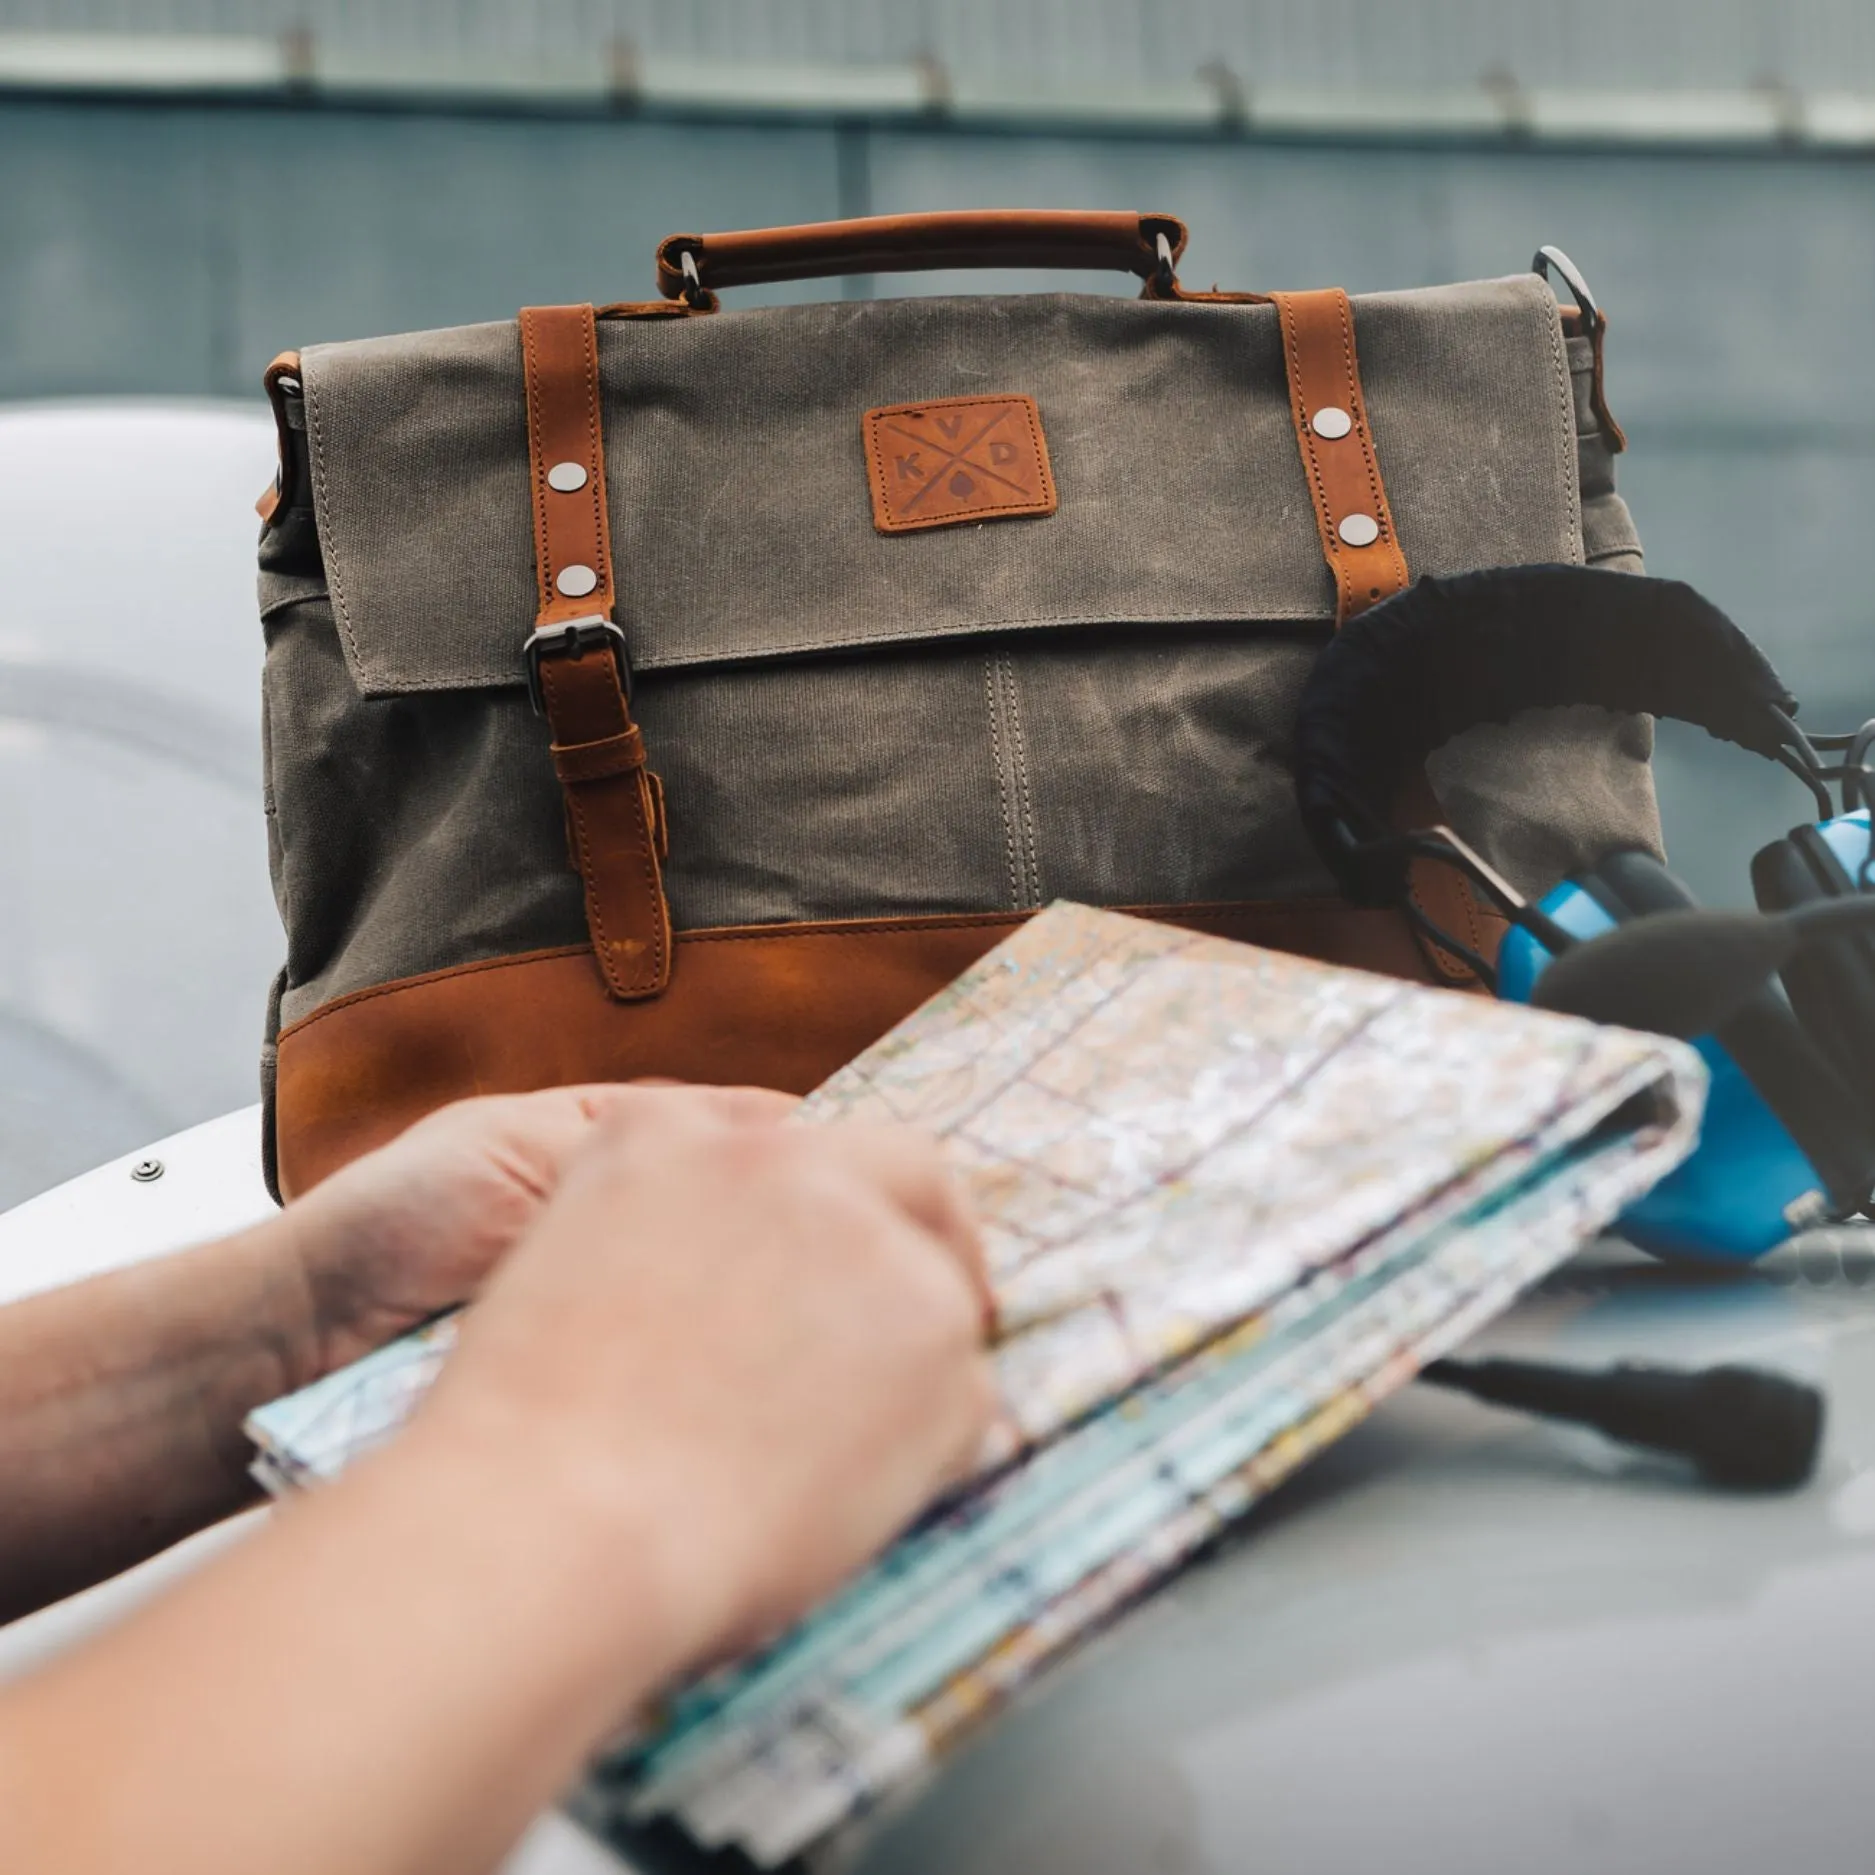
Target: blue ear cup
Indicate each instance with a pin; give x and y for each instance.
(1831, 985)
(1749, 1184)
(1789, 1137)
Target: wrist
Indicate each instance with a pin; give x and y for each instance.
(282, 1307)
(315, 1247)
(607, 1526)
(218, 1331)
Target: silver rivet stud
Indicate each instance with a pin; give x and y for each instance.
(1332, 422)
(1359, 530)
(576, 581)
(568, 478)
(147, 1171)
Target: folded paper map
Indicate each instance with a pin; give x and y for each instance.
(1230, 1199)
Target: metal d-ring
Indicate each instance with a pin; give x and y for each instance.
(694, 289)
(1553, 259)
(1166, 279)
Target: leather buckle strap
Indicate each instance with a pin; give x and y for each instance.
(614, 812)
(592, 761)
(1330, 416)
(1363, 553)
(574, 639)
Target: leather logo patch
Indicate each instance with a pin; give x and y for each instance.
(957, 459)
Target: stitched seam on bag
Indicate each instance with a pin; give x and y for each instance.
(325, 509)
(1044, 474)
(595, 913)
(1271, 910)
(505, 679)
(1568, 463)
(654, 884)
(602, 944)
(1357, 408)
(424, 977)
(1002, 783)
(608, 962)
(595, 467)
(1345, 564)
(1452, 968)
(1025, 805)
(1474, 934)
(1283, 908)
(875, 468)
(621, 982)
(1028, 792)
(1305, 444)
(1016, 511)
(536, 425)
(977, 627)
(1447, 964)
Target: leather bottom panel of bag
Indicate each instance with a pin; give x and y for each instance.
(778, 1006)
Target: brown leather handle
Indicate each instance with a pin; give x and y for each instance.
(987, 237)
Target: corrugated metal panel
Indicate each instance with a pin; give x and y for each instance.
(1659, 44)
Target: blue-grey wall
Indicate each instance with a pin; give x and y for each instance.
(165, 248)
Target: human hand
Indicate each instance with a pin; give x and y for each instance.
(735, 1359)
(417, 1225)
(727, 1360)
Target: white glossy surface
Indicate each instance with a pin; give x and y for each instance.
(137, 928)
(210, 1185)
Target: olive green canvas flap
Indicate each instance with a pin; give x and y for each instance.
(742, 523)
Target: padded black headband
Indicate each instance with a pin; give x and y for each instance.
(1398, 681)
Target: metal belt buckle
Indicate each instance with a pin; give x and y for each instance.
(574, 639)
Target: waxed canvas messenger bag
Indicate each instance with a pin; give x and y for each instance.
(679, 690)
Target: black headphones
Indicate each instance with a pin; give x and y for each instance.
(1831, 986)
(1400, 680)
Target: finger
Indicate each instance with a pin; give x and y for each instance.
(740, 1106)
(911, 1170)
(535, 1134)
(538, 1136)
(646, 1120)
(990, 1436)
(750, 1106)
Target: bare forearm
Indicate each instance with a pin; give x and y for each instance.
(393, 1676)
(121, 1402)
(728, 1361)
